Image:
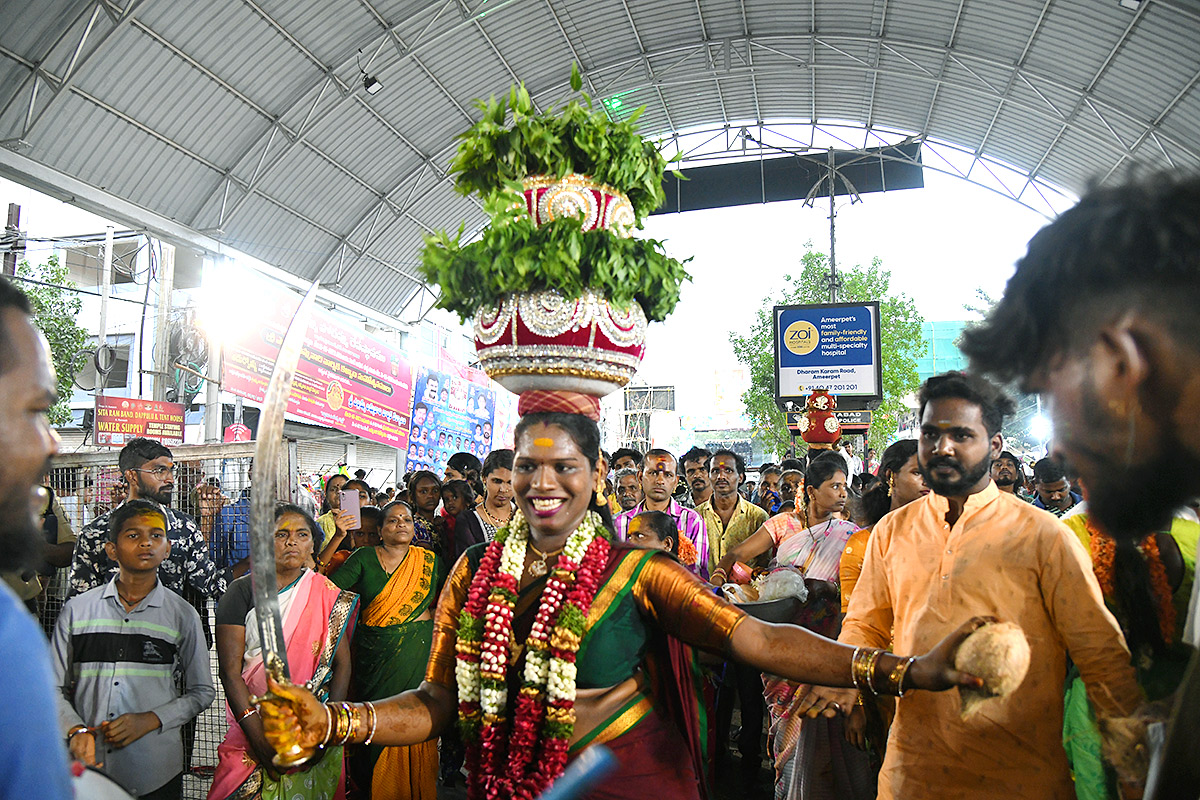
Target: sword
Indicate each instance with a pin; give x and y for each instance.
(262, 507)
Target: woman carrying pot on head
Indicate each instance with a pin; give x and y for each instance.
(549, 639)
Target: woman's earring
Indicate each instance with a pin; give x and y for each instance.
(891, 483)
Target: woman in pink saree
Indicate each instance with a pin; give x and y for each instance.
(318, 620)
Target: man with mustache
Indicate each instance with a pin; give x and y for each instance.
(149, 471)
(33, 758)
(968, 549)
(1101, 318)
(695, 471)
(659, 479)
(729, 520)
(628, 488)
(1006, 472)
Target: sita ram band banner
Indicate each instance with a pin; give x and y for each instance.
(834, 347)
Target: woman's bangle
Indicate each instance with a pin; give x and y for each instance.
(248, 712)
(895, 679)
(724, 575)
(862, 668)
(374, 722)
(328, 725)
(346, 723)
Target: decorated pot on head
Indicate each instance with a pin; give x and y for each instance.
(819, 426)
(558, 290)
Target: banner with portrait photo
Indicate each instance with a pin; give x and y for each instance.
(450, 414)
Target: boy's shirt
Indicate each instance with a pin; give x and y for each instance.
(109, 662)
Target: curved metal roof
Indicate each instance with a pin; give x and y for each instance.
(246, 121)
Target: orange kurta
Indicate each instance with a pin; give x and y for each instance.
(1005, 558)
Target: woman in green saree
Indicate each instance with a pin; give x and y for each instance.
(398, 584)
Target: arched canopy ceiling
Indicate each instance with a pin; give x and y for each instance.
(247, 122)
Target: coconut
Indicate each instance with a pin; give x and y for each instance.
(997, 653)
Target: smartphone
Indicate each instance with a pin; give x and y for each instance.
(350, 504)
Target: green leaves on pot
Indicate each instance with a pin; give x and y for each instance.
(514, 255)
(513, 141)
(575, 138)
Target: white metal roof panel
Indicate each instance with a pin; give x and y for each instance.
(248, 117)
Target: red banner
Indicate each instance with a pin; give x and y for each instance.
(347, 379)
(119, 419)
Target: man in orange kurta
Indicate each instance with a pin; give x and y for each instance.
(968, 549)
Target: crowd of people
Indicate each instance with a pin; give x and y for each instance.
(489, 623)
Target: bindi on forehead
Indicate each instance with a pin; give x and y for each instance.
(544, 441)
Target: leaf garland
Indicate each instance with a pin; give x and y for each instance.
(512, 141)
(522, 257)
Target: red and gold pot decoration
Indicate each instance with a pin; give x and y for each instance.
(542, 340)
(819, 426)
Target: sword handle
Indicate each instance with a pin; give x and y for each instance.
(293, 755)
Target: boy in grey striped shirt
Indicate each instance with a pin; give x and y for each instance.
(120, 651)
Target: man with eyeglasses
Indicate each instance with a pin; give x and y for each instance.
(149, 471)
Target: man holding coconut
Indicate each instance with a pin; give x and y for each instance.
(967, 549)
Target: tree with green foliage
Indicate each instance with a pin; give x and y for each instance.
(900, 334)
(55, 309)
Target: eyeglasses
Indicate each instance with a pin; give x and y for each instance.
(159, 472)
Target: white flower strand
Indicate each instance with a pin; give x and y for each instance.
(554, 676)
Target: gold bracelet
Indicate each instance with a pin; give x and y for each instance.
(374, 722)
(248, 712)
(896, 676)
(349, 714)
(854, 676)
(862, 667)
(874, 662)
(356, 721)
(341, 716)
(328, 725)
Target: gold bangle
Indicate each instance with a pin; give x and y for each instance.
(328, 725)
(870, 670)
(341, 718)
(350, 722)
(897, 675)
(862, 667)
(248, 712)
(374, 722)
(854, 676)
(355, 721)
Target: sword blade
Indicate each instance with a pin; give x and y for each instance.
(262, 498)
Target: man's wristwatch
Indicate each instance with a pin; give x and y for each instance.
(76, 730)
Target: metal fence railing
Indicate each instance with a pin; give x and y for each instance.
(88, 485)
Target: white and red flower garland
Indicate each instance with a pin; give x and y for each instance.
(523, 765)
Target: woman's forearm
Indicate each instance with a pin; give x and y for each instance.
(414, 716)
(798, 654)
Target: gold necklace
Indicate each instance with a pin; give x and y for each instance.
(539, 568)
